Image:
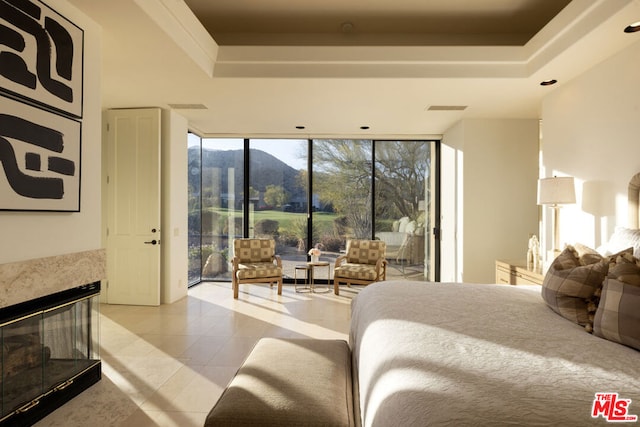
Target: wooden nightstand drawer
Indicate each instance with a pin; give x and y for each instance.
(517, 273)
(503, 276)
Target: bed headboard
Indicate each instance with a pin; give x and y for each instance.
(634, 201)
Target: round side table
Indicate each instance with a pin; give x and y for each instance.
(312, 266)
(306, 287)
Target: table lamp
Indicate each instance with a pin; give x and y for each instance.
(555, 192)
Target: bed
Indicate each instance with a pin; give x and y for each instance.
(454, 354)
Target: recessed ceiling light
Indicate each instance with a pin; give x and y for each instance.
(632, 28)
(548, 82)
(300, 127)
(364, 127)
(347, 27)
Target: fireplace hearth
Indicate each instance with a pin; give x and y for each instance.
(49, 333)
(50, 353)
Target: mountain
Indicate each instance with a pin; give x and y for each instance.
(218, 166)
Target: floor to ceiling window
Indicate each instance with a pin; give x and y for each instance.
(341, 188)
(342, 182)
(279, 196)
(310, 193)
(194, 191)
(402, 203)
(221, 192)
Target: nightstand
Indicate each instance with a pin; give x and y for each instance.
(516, 273)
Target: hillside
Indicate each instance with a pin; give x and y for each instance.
(265, 170)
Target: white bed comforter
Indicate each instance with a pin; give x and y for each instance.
(470, 355)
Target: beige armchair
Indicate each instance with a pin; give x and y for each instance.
(255, 261)
(363, 263)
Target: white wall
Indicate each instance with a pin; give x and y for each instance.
(451, 204)
(494, 180)
(591, 130)
(28, 235)
(174, 274)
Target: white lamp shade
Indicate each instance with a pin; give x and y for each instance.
(556, 191)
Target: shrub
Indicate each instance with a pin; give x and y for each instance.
(332, 244)
(266, 227)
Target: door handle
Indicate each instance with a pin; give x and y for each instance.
(152, 242)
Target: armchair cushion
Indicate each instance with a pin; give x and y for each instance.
(256, 270)
(254, 250)
(357, 271)
(365, 251)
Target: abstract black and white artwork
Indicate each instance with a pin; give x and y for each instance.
(41, 56)
(40, 155)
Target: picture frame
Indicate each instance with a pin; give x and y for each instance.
(41, 56)
(40, 153)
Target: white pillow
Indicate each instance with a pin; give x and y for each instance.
(411, 227)
(622, 238)
(403, 224)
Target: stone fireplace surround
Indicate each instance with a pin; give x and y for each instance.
(29, 280)
(26, 280)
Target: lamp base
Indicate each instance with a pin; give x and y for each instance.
(551, 256)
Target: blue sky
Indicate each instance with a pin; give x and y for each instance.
(287, 150)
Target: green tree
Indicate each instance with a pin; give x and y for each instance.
(402, 168)
(275, 195)
(343, 171)
(343, 178)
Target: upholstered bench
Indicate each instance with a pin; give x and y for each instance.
(285, 382)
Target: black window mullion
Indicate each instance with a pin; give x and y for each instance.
(200, 190)
(309, 197)
(373, 190)
(246, 186)
(437, 222)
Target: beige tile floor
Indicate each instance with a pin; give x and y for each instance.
(167, 365)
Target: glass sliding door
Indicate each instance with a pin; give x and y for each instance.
(278, 189)
(312, 193)
(222, 204)
(342, 195)
(194, 185)
(403, 203)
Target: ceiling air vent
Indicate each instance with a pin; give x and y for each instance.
(447, 108)
(188, 106)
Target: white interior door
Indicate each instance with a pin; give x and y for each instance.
(133, 212)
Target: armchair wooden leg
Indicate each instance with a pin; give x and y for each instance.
(235, 285)
(336, 288)
(280, 287)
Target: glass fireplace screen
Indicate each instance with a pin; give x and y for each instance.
(43, 352)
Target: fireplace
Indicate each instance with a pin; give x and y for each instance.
(50, 343)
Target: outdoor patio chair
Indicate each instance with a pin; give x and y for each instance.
(255, 261)
(363, 263)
